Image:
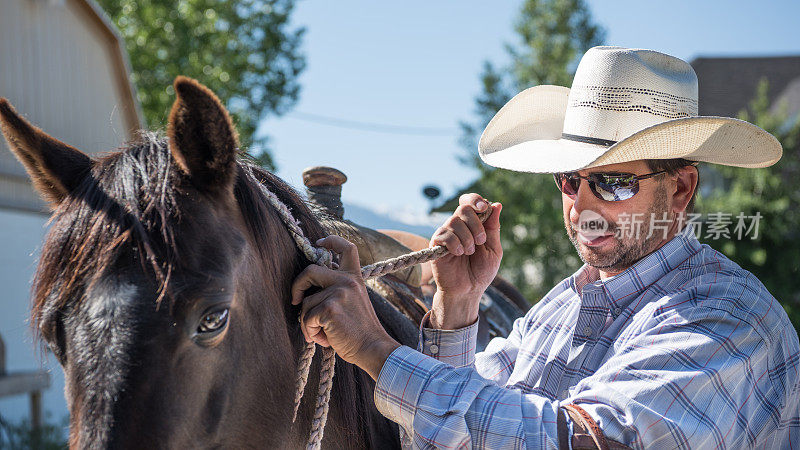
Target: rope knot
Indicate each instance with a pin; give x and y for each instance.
(323, 257)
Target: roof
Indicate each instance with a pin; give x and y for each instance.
(727, 85)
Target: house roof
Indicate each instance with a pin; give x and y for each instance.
(727, 85)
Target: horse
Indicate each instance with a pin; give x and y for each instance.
(163, 291)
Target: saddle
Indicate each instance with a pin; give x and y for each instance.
(410, 290)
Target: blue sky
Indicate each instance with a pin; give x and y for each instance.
(416, 64)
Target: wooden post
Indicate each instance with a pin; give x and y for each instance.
(31, 383)
(2, 357)
(21, 382)
(36, 410)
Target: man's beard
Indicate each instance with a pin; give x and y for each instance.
(631, 245)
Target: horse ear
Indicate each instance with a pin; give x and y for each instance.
(202, 138)
(55, 168)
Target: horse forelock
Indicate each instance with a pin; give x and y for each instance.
(126, 203)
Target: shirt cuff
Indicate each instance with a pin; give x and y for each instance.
(453, 347)
(403, 377)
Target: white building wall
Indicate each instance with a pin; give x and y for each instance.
(62, 68)
(59, 67)
(21, 236)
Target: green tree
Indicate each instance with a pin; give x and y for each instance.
(553, 34)
(773, 193)
(245, 51)
(21, 435)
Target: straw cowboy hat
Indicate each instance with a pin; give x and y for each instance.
(624, 105)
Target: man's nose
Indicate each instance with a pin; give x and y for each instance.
(584, 200)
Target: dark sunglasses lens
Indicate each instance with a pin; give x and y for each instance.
(567, 183)
(608, 187)
(615, 188)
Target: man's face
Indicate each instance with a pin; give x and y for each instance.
(625, 240)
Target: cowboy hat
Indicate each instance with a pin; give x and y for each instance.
(624, 105)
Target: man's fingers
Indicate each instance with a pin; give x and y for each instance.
(348, 250)
(446, 236)
(313, 276)
(464, 230)
(317, 310)
(464, 235)
(470, 218)
(309, 302)
(315, 333)
(474, 200)
(493, 221)
(492, 227)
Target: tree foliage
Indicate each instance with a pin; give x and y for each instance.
(771, 192)
(245, 51)
(23, 436)
(553, 35)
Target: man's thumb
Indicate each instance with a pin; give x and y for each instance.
(492, 227)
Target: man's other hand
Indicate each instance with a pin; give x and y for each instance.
(469, 268)
(340, 314)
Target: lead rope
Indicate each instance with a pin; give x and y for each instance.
(324, 257)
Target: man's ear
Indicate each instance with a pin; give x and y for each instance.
(685, 185)
(55, 168)
(202, 138)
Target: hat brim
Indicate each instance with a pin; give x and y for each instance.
(717, 140)
(545, 156)
(525, 136)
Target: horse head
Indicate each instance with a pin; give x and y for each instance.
(163, 289)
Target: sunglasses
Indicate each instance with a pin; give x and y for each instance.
(611, 187)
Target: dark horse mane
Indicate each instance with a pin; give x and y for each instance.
(128, 209)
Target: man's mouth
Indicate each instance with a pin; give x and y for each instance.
(594, 240)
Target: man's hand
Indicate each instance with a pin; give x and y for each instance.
(340, 315)
(469, 268)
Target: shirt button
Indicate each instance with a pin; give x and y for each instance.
(587, 331)
(617, 311)
(434, 349)
(565, 394)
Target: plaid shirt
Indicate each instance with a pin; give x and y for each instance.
(683, 350)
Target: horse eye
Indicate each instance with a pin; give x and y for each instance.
(213, 321)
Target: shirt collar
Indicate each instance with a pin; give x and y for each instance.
(624, 287)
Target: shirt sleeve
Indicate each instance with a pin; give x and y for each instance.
(440, 406)
(453, 347)
(457, 348)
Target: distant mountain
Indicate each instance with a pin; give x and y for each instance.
(378, 220)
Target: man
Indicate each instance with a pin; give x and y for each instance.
(657, 341)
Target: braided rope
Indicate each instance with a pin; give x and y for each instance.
(304, 367)
(401, 262)
(324, 257)
(323, 400)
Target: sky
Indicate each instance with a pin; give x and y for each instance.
(412, 68)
